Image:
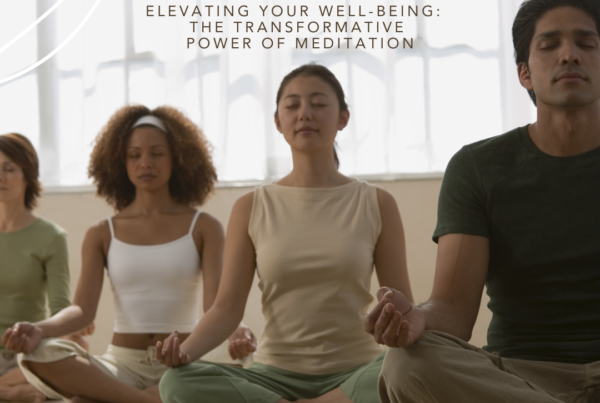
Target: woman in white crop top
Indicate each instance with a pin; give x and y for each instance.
(152, 166)
(313, 237)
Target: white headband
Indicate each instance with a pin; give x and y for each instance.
(150, 120)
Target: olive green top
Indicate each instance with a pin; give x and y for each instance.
(542, 216)
(34, 263)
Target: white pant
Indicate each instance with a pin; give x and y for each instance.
(8, 361)
(137, 368)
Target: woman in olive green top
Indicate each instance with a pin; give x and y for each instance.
(34, 261)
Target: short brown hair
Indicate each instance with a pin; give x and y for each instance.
(20, 150)
(193, 175)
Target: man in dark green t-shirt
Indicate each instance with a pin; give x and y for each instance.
(520, 214)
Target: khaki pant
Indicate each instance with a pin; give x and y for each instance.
(444, 369)
(8, 361)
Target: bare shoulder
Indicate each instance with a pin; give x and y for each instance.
(243, 206)
(245, 201)
(386, 201)
(207, 225)
(97, 238)
(98, 232)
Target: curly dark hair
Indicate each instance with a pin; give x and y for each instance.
(193, 176)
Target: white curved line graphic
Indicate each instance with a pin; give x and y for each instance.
(29, 28)
(55, 51)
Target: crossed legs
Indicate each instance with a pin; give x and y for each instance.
(91, 384)
(15, 388)
(444, 369)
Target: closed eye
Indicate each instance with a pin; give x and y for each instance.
(588, 45)
(548, 46)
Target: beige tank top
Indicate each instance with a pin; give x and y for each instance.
(314, 254)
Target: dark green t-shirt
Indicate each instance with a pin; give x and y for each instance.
(542, 216)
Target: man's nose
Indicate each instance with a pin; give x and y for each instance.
(570, 53)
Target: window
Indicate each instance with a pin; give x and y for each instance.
(411, 109)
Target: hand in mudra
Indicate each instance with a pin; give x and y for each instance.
(169, 352)
(23, 337)
(394, 321)
(241, 343)
(88, 331)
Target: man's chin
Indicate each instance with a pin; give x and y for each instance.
(572, 100)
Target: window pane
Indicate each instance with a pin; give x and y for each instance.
(465, 104)
(19, 106)
(245, 145)
(408, 147)
(146, 86)
(14, 19)
(105, 33)
(73, 147)
(452, 27)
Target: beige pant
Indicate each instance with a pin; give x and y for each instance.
(8, 361)
(444, 369)
(137, 368)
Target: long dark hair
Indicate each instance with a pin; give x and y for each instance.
(315, 70)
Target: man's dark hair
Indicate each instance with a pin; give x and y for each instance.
(529, 14)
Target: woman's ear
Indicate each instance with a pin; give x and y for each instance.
(344, 118)
(277, 124)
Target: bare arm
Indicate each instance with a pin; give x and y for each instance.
(390, 250)
(81, 313)
(461, 270)
(228, 309)
(210, 240)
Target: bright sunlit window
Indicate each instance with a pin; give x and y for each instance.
(411, 109)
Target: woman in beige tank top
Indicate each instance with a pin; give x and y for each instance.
(313, 237)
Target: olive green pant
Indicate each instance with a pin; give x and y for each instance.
(444, 369)
(207, 383)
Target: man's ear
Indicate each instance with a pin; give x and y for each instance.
(344, 118)
(525, 76)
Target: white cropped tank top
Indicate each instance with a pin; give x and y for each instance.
(155, 287)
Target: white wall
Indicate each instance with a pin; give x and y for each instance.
(417, 200)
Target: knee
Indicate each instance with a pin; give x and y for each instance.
(405, 370)
(170, 383)
(38, 369)
(179, 384)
